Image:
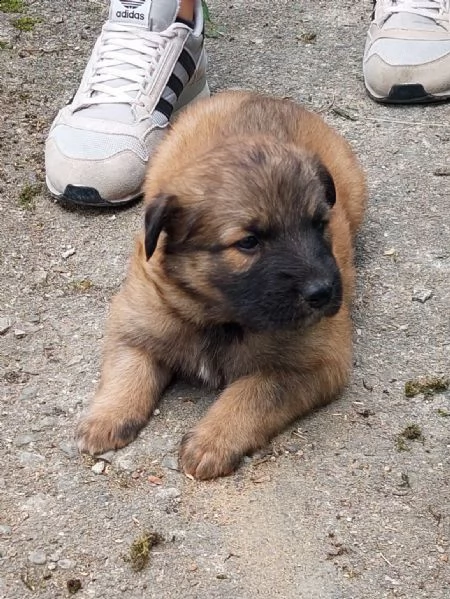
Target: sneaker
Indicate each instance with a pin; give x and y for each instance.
(407, 53)
(145, 66)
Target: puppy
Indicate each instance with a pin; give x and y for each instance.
(242, 278)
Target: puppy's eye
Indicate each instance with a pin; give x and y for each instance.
(320, 225)
(248, 243)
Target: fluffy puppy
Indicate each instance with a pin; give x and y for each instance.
(242, 278)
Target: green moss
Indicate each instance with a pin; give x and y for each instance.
(412, 431)
(401, 444)
(4, 45)
(211, 29)
(26, 23)
(309, 37)
(83, 285)
(73, 585)
(11, 5)
(444, 413)
(27, 196)
(140, 550)
(427, 385)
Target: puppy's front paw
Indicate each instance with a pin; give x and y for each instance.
(205, 454)
(97, 433)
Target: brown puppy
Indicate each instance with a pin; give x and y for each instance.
(242, 278)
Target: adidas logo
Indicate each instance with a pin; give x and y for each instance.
(132, 4)
(125, 14)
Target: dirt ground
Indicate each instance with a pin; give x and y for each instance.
(340, 506)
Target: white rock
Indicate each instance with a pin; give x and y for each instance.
(98, 467)
(37, 557)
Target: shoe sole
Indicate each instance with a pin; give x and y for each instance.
(89, 197)
(413, 93)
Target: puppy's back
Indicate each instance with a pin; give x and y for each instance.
(209, 122)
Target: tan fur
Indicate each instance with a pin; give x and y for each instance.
(156, 327)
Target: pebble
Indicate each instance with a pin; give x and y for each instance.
(28, 393)
(19, 333)
(125, 462)
(169, 493)
(170, 462)
(69, 449)
(47, 422)
(51, 566)
(422, 295)
(26, 458)
(25, 439)
(5, 325)
(68, 253)
(98, 467)
(66, 564)
(5, 529)
(37, 557)
(40, 277)
(156, 412)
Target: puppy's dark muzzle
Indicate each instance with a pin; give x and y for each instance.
(318, 294)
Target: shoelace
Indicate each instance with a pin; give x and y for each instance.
(127, 58)
(438, 10)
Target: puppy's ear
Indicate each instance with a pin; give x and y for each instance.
(327, 181)
(156, 219)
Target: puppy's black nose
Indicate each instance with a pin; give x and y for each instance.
(318, 293)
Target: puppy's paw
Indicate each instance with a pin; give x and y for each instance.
(204, 455)
(97, 432)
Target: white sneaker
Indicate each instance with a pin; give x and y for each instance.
(144, 67)
(407, 53)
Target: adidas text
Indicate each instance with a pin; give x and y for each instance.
(125, 14)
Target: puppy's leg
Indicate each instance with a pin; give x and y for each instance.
(131, 384)
(251, 411)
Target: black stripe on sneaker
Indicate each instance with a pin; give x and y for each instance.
(175, 84)
(187, 63)
(165, 108)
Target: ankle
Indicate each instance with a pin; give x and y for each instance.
(186, 10)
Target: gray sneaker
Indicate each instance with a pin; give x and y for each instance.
(144, 67)
(407, 53)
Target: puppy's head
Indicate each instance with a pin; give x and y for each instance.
(246, 236)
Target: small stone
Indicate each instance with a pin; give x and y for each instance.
(37, 557)
(28, 393)
(292, 447)
(69, 449)
(69, 252)
(156, 412)
(5, 529)
(422, 295)
(125, 462)
(98, 467)
(19, 333)
(169, 493)
(65, 564)
(47, 422)
(27, 458)
(34, 318)
(40, 277)
(25, 439)
(155, 480)
(51, 566)
(170, 462)
(5, 325)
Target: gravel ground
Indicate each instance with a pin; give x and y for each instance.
(342, 505)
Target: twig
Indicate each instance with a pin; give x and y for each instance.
(386, 560)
